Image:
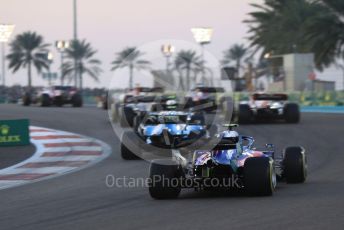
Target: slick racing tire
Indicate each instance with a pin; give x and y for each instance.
(245, 114)
(295, 164)
(130, 146)
(291, 113)
(58, 101)
(27, 99)
(127, 117)
(45, 100)
(164, 180)
(77, 100)
(259, 176)
(105, 105)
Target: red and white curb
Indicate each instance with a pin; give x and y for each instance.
(57, 153)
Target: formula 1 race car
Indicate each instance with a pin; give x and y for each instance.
(133, 103)
(205, 98)
(231, 163)
(54, 95)
(162, 130)
(268, 107)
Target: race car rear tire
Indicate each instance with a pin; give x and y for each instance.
(127, 117)
(130, 146)
(295, 164)
(105, 105)
(245, 114)
(292, 113)
(27, 99)
(45, 100)
(58, 101)
(259, 176)
(164, 179)
(77, 100)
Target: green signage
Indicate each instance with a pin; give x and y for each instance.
(14, 132)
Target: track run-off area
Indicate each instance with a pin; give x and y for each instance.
(82, 199)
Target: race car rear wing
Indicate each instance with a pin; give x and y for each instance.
(270, 97)
(150, 90)
(210, 89)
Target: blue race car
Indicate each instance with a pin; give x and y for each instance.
(163, 130)
(231, 163)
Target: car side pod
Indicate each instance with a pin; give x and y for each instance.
(295, 164)
(259, 176)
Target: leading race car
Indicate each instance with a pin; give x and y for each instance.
(232, 163)
(164, 130)
(268, 107)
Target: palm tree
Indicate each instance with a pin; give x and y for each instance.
(187, 60)
(280, 26)
(325, 32)
(28, 49)
(236, 53)
(130, 57)
(80, 61)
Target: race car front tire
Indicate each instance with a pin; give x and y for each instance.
(245, 114)
(130, 146)
(164, 180)
(295, 164)
(259, 176)
(291, 113)
(45, 100)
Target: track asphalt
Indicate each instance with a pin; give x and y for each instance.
(82, 200)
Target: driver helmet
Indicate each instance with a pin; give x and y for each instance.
(231, 136)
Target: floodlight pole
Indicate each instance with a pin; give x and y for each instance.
(203, 64)
(5, 33)
(3, 63)
(202, 36)
(75, 20)
(167, 51)
(75, 39)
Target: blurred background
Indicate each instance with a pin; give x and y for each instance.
(246, 46)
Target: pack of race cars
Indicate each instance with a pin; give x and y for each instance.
(188, 152)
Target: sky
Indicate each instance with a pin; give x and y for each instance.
(111, 25)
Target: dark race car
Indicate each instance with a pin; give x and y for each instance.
(163, 130)
(135, 102)
(263, 106)
(205, 98)
(232, 163)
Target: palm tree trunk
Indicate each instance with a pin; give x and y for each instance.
(80, 81)
(188, 78)
(131, 73)
(80, 76)
(29, 75)
(181, 82)
(238, 67)
(75, 73)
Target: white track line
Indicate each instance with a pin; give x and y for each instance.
(54, 161)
